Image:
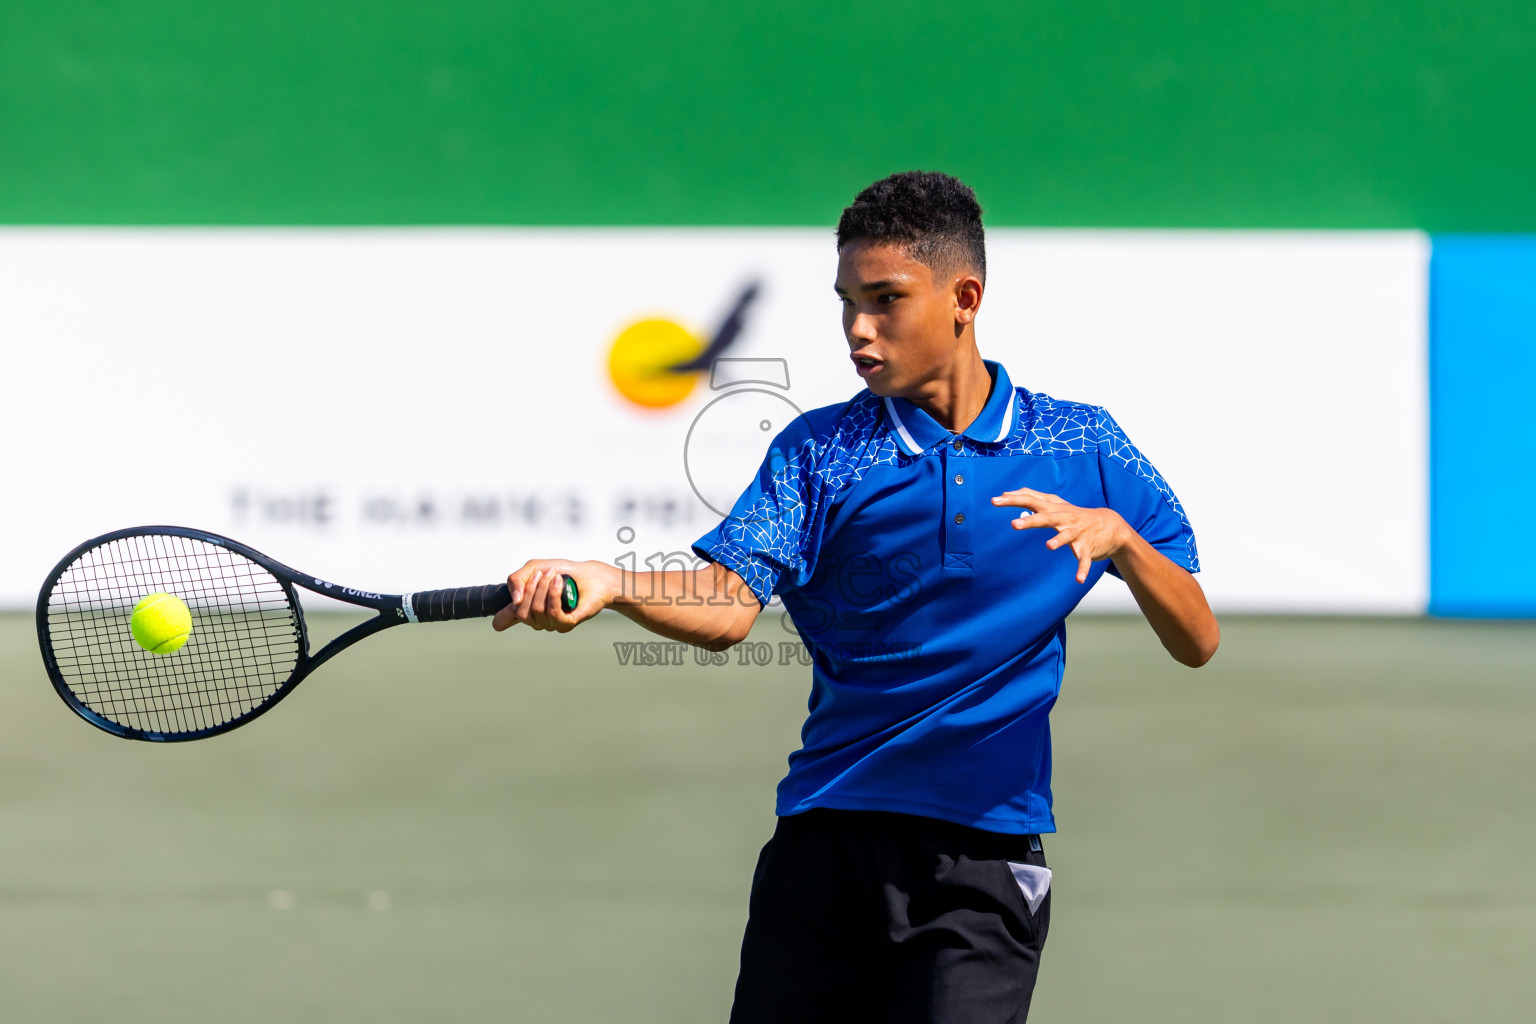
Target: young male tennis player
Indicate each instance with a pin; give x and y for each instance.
(928, 537)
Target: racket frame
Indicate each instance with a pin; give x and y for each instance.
(392, 610)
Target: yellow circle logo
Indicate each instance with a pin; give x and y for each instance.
(640, 359)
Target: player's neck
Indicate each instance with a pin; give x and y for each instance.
(956, 396)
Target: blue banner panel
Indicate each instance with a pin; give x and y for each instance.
(1482, 408)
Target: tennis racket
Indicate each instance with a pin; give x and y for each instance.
(248, 647)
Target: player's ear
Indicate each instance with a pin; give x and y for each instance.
(968, 289)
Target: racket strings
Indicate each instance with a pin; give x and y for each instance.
(245, 640)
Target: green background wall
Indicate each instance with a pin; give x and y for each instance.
(1308, 113)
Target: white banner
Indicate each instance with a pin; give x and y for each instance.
(405, 409)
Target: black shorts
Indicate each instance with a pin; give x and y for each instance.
(863, 916)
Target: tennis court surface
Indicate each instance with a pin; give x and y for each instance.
(1334, 821)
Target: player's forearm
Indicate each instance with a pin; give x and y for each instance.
(1171, 600)
(710, 607)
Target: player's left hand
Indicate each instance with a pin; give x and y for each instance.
(1093, 533)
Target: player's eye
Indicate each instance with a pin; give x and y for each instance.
(887, 299)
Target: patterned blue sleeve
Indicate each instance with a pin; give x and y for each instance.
(1134, 488)
(763, 540)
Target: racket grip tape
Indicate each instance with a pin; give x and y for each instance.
(477, 602)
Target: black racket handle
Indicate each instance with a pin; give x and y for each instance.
(478, 602)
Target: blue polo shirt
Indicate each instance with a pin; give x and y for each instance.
(935, 629)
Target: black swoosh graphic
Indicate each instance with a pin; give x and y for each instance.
(726, 335)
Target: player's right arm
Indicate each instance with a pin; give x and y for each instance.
(712, 606)
(708, 607)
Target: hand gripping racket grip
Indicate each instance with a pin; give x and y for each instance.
(478, 602)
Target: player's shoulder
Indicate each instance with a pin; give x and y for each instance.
(1062, 428)
(852, 423)
(1059, 426)
(837, 444)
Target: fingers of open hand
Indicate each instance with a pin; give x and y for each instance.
(1026, 497)
(1036, 520)
(1066, 533)
(1084, 560)
(1071, 531)
(1083, 541)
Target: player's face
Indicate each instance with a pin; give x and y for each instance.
(903, 327)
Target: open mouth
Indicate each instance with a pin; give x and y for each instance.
(866, 365)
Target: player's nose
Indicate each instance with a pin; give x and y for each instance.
(861, 331)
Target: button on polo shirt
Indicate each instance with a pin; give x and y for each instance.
(935, 629)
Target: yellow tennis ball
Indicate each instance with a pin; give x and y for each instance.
(161, 623)
(639, 359)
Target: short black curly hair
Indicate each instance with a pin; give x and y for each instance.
(932, 216)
